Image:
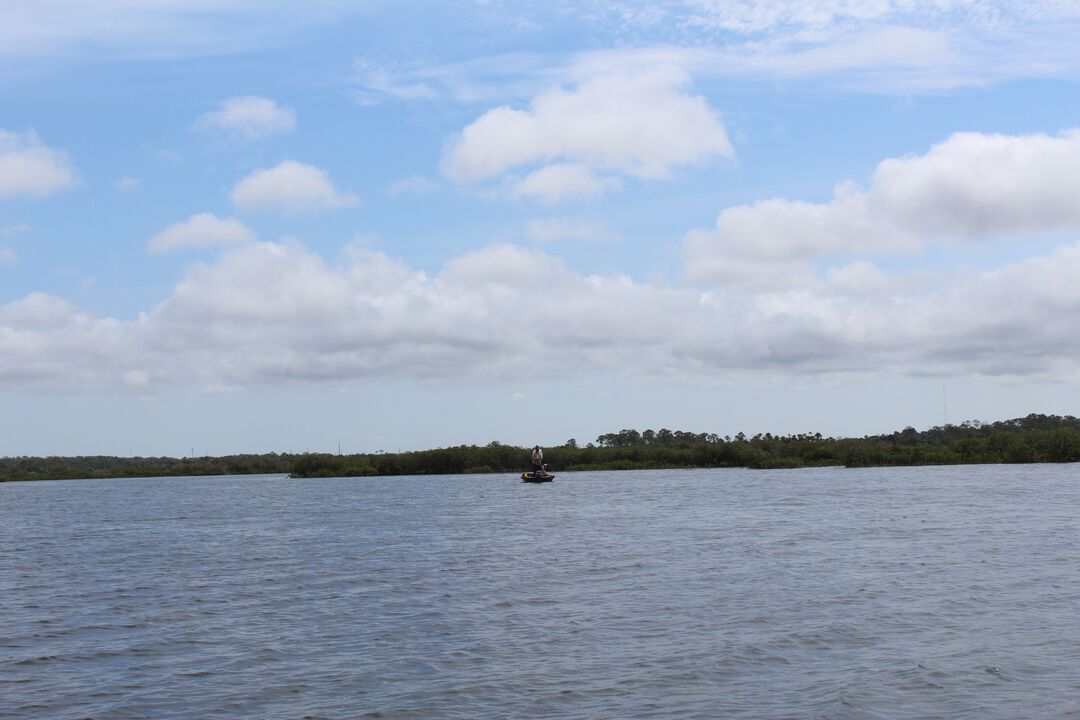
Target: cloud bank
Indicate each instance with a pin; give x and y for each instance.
(276, 312)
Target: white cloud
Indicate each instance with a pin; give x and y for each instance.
(46, 341)
(755, 17)
(896, 51)
(972, 186)
(644, 125)
(30, 169)
(483, 79)
(200, 232)
(884, 46)
(275, 312)
(374, 82)
(984, 41)
(975, 184)
(871, 59)
(290, 187)
(7, 255)
(895, 47)
(560, 181)
(860, 278)
(250, 117)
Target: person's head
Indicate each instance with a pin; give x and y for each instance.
(536, 447)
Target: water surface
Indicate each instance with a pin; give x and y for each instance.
(879, 593)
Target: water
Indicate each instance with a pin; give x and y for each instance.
(928, 592)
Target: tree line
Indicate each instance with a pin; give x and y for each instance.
(1031, 439)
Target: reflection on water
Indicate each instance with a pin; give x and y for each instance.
(929, 592)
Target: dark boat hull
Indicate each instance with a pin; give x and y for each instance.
(533, 478)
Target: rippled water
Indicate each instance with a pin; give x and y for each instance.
(930, 592)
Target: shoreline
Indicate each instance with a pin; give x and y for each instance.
(515, 473)
(1032, 439)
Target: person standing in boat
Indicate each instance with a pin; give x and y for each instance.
(537, 459)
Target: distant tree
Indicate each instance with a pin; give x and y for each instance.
(1034, 438)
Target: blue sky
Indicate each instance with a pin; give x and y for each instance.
(244, 226)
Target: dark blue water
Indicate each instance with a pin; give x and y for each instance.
(932, 592)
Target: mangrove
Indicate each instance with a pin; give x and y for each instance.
(1031, 439)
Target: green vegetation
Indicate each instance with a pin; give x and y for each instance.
(104, 466)
(1032, 439)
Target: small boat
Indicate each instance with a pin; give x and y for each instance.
(537, 477)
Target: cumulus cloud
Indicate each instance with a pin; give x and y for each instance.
(290, 187)
(276, 312)
(200, 232)
(975, 184)
(860, 278)
(30, 169)
(642, 125)
(250, 117)
(46, 341)
(560, 181)
(971, 186)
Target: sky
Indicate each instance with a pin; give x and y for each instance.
(260, 226)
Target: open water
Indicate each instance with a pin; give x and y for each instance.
(929, 592)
